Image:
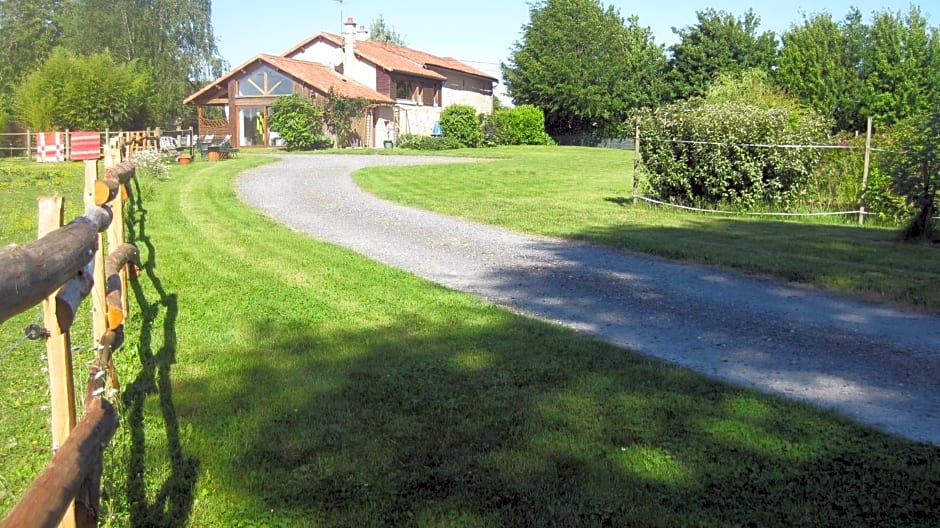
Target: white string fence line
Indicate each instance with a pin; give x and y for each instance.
(21, 340)
(768, 145)
(714, 211)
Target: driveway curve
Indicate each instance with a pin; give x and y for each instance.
(874, 363)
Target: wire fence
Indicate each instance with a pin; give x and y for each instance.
(852, 185)
(769, 145)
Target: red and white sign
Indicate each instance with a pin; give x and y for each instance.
(49, 147)
(85, 146)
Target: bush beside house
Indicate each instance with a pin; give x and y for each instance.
(299, 122)
(462, 128)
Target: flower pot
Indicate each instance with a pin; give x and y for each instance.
(184, 160)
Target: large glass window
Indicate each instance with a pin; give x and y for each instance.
(253, 127)
(265, 81)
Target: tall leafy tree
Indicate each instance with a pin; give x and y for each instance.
(584, 66)
(718, 43)
(28, 33)
(83, 92)
(819, 64)
(897, 69)
(383, 32)
(172, 38)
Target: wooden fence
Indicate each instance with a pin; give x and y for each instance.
(59, 270)
(23, 145)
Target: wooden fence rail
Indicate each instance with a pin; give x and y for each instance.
(60, 270)
(30, 273)
(24, 144)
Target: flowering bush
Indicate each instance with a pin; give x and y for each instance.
(152, 163)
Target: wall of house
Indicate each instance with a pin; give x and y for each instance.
(322, 53)
(468, 90)
(384, 119)
(363, 73)
(417, 120)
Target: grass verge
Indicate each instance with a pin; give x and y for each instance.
(272, 380)
(584, 194)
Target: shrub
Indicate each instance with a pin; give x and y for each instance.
(491, 128)
(338, 115)
(460, 123)
(522, 125)
(299, 122)
(713, 165)
(410, 141)
(716, 168)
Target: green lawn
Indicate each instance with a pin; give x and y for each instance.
(585, 194)
(272, 380)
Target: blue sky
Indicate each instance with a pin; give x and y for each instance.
(481, 32)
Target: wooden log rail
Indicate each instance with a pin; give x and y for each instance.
(60, 270)
(30, 273)
(113, 337)
(73, 473)
(122, 172)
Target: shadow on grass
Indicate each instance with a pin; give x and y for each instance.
(518, 423)
(172, 504)
(871, 262)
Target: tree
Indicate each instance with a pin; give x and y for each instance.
(298, 121)
(718, 43)
(91, 92)
(898, 70)
(172, 38)
(28, 33)
(914, 168)
(339, 113)
(383, 32)
(583, 66)
(819, 65)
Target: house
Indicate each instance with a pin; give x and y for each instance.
(407, 89)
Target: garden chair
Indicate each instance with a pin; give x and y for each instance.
(226, 149)
(203, 145)
(169, 144)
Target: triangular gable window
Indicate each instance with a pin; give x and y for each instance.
(265, 81)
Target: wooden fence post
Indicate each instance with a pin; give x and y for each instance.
(58, 352)
(861, 206)
(637, 163)
(93, 193)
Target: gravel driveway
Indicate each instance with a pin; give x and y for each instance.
(875, 363)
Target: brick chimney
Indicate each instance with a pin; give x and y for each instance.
(362, 34)
(349, 45)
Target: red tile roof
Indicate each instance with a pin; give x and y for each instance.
(314, 75)
(324, 78)
(395, 58)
